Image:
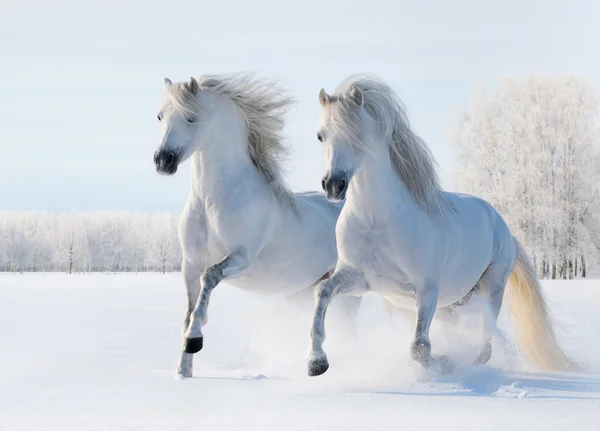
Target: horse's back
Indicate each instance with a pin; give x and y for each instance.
(476, 213)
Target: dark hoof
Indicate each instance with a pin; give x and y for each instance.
(316, 367)
(193, 345)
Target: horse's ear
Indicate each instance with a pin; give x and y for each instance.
(193, 86)
(168, 83)
(324, 98)
(357, 95)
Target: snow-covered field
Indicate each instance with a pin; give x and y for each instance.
(98, 352)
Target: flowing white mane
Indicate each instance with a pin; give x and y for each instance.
(410, 155)
(263, 105)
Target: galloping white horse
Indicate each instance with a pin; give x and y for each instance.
(241, 223)
(403, 237)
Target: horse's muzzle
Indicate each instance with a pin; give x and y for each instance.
(335, 187)
(166, 162)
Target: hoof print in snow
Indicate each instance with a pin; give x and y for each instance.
(318, 366)
(193, 345)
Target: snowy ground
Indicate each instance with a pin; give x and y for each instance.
(98, 352)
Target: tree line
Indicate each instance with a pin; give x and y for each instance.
(88, 242)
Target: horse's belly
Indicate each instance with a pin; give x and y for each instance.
(265, 285)
(284, 273)
(399, 292)
(275, 281)
(397, 286)
(402, 293)
(396, 263)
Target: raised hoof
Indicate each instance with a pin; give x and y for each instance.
(193, 345)
(318, 366)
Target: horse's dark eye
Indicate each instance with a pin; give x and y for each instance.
(159, 117)
(319, 137)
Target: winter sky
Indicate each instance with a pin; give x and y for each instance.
(80, 81)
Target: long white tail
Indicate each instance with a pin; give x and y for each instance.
(535, 335)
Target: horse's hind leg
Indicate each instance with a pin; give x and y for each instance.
(492, 284)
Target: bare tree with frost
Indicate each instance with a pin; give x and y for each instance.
(72, 242)
(532, 148)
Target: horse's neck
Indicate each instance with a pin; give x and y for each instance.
(377, 188)
(224, 164)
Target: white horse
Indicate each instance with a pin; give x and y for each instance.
(241, 223)
(403, 237)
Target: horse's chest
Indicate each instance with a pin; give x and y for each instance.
(371, 249)
(201, 242)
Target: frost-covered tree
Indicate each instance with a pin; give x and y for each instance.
(532, 149)
(163, 245)
(72, 242)
(18, 248)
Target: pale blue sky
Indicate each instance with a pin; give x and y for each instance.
(80, 81)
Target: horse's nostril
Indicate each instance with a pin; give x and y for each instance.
(323, 184)
(169, 158)
(343, 184)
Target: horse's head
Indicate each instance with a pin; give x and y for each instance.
(182, 128)
(341, 131)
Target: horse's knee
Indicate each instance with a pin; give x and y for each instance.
(324, 292)
(211, 277)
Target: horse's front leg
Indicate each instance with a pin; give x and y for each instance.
(344, 280)
(231, 266)
(427, 297)
(191, 276)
